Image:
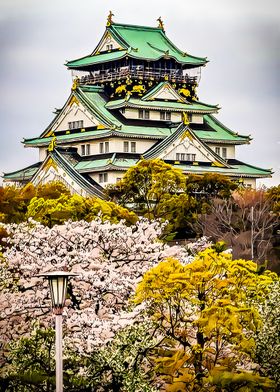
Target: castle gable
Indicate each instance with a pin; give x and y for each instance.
(163, 91)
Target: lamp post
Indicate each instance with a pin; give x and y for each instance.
(58, 286)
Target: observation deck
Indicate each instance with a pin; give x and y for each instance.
(149, 74)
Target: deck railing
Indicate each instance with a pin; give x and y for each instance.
(156, 74)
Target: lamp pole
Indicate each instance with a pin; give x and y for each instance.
(58, 286)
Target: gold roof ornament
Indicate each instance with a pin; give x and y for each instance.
(52, 144)
(75, 84)
(185, 118)
(160, 24)
(109, 19)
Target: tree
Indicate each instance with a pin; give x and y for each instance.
(209, 186)
(12, 205)
(156, 190)
(267, 339)
(245, 222)
(31, 365)
(109, 259)
(14, 201)
(122, 364)
(147, 185)
(51, 211)
(273, 194)
(205, 320)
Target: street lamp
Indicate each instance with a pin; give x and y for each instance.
(58, 286)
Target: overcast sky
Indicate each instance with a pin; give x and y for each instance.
(241, 38)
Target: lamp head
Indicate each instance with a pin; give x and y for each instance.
(58, 286)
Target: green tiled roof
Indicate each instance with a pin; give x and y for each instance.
(194, 107)
(125, 131)
(105, 164)
(22, 174)
(95, 102)
(215, 131)
(141, 42)
(97, 59)
(236, 170)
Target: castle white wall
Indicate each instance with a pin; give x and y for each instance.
(187, 148)
(113, 177)
(74, 112)
(230, 149)
(250, 183)
(155, 115)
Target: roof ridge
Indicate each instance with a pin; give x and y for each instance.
(81, 95)
(83, 181)
(135, 26)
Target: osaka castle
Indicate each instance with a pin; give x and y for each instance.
(134, 97)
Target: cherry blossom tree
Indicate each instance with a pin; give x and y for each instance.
(109, 259)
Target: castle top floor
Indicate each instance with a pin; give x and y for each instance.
(139, 52)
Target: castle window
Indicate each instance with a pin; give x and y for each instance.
(191, 157)
(85, 149)
(165, 116)
(217, 150)
(185, 157)
(103, 177)
(133, 146)
(106, 146)
(144, 114)
(109, 47)
(101, 148)
(224, 152)
(76, 124)
(126, 146)
(122, 110)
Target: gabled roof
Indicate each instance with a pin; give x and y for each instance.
(139, 42)
(180, 133)
(163, 89)
(191, 107)
(213, 131)
(92, 98)
(67, 162)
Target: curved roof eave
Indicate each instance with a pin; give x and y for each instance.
(129, 54)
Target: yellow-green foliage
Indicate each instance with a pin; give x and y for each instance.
(14, 201)
(53, 203)
(109, 211)
(205, 312)
(75, 207)
(155, 189)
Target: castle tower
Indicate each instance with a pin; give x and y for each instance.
(134, 97)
